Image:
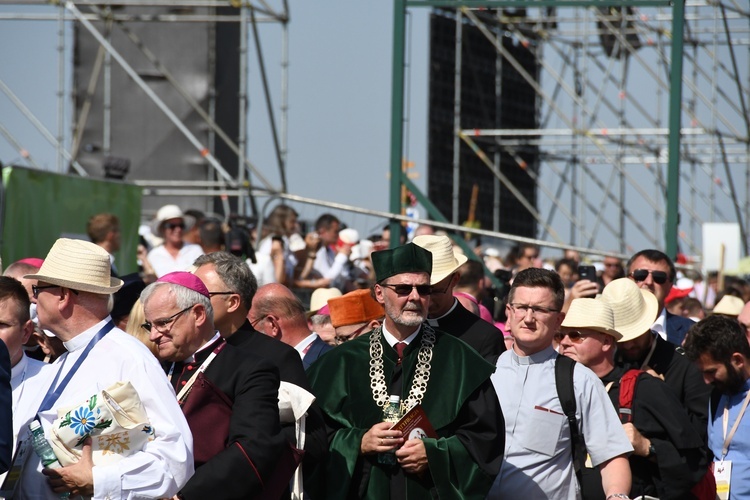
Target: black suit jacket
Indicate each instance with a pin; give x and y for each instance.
(255, 439)
(483, 337)
(6, 422)
(317, 349)
(284, 357)
(677, 328)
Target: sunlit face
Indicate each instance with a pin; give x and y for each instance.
(744, 320)
(588, 349)
(12, 331)
(330, 235)
(405, 310)
(660, 290)
(174, 230)
(441, 298)
(218, 292)
(174, 333)
(526, 260)
(612, 267)
(533, 331)
(726, 377)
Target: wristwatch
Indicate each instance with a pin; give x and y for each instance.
(651, 451)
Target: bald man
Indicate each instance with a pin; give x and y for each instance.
(278, 313)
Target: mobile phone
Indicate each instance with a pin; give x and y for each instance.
(587, 273)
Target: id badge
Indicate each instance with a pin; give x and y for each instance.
(722, 475)
(16, 468)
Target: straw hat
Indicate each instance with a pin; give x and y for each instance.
(78, 265)
(729, 305)
(444, 260)
(319, 298)
(591, 314)
(635, 309)
(166, 213)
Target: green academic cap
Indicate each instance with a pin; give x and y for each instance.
(409, 258)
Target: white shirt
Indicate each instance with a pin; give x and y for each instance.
(660, 325)
(166, 463)
(163, 262)
(300, 348)
(393, 340)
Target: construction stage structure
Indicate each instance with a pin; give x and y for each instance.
(618, 85)
(641, 119)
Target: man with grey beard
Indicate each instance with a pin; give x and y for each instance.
(406, 357)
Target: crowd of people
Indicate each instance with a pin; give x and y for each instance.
(258, 362)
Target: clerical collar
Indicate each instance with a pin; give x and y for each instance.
(82, 339)
(191, 359)
(393, 340)
(435, 321)
(533, 359)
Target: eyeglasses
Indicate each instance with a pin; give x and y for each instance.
(211, 294)
(522, 309)
(574, 336)
(253, 323)
(163, 325)
(659, 277)
(35, 289)
(402, 289)
(174, 225)
(340, 339)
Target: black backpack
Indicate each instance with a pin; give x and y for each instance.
(564, 367)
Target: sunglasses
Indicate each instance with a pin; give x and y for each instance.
(402, 290)
(659, 277)
(35, 289)
(574, 336)
(174, 225)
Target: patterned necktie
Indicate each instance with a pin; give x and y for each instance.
(400, 346)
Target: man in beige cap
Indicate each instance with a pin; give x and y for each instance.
(668, 456)
(729, 305)
(635, 309)
(446, 312)
(72, 291)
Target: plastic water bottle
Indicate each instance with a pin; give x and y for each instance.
(43, 449)
(392, 414)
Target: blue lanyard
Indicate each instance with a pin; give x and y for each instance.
(51, 398)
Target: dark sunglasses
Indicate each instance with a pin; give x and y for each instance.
(659, 277)
(574, 336)
(402, 290)
(35, 289)
(174, 225)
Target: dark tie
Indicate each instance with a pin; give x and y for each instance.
(400, 346)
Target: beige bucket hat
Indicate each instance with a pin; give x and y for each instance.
(729, 305)
(635, 309)
(591, 314)
(444, 260)
(78, 265)
(319, 298)
(166, 213)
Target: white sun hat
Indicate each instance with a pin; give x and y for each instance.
(635, 309)
(78, 265)
(444, 259)
(729, 305)
(592, 314)
(166, 213)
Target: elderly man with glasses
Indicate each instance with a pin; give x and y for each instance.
(538, 443)
(179, 317)
(406, 357)
(652, 270)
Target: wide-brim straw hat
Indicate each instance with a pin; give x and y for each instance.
(168, 212)
(445, 260)
(78, 265)
(729, 305)
(591, 314)
(635, 309)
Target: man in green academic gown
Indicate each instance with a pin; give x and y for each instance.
(441, 373)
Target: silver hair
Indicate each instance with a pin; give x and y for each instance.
(184, 297)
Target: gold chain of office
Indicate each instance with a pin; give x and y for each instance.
(421, 374)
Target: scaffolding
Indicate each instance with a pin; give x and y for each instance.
(604, 98)
(100, 19)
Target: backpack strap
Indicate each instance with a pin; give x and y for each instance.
(627, 394)
(564, 367)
